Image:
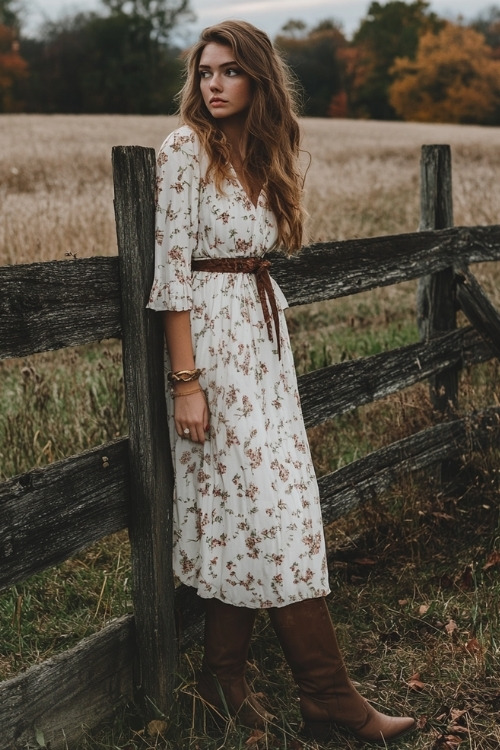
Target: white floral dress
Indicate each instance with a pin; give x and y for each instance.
(247, 518)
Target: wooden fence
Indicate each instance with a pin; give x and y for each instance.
(50, 514)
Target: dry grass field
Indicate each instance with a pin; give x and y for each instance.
(414, 592)
(56, 190)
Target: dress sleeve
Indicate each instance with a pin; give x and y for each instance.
(176, 234)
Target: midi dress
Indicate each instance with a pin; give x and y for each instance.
(247, 525)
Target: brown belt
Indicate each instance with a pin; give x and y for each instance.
(260, 268)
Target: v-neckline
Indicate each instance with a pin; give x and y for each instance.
(240, 185)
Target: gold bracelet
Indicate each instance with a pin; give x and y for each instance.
(183, 376)
(187, 393)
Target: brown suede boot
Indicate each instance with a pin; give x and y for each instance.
(222, 682)
(327, 696)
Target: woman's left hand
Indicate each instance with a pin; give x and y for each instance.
(191, 415)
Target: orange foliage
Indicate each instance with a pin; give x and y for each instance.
(454, 78)
(339, 105)
(12, 67)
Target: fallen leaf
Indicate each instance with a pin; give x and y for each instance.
(403, 602)
(453, 741)
(255, 737)
(423, 609)
(157, 727)
(457, 713)
(450, 627)
(415, 683)
(493, 560)
(473, 646)
(447, 742)
(421, 722)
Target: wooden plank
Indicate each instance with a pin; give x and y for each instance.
(151, 476)
(68, 303)
(345, 489)
(326, 270)
(76, 690)
(333, 390)
(477, 307)
(50, 514)
(436, 299)
(59, 303)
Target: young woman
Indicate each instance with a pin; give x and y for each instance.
(247, 522)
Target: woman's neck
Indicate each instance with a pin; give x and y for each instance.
(234, 128)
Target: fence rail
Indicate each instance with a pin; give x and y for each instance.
(50, 305)
(49, 514)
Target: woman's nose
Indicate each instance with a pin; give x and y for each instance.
(215, 82)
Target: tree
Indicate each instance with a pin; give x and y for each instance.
(9, 13)
(488, 24)
(454, 78)
(120, 63)
(294, 28)
(314, 58)
(388, 31)
(161, 15)
(13, 68)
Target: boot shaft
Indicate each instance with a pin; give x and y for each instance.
(228, 631)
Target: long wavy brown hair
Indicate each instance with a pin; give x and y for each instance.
(273, 134)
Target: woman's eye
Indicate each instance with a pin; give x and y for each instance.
(204, 74)
(232, 72)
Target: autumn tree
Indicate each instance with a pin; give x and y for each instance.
(453, 78)
(313, 55)
(13, 67)
(387, 32)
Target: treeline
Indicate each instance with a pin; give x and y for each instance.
(403, 62)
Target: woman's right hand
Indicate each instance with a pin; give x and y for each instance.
(191, 415)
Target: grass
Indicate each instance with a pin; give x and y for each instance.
(414, 576)
(54, 405)
(54, 610)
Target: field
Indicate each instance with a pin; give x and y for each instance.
(414, 575)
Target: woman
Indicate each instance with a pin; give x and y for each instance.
(247, 521)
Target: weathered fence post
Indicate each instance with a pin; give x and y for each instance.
(436, 305)
(436, 297)
(150, 467)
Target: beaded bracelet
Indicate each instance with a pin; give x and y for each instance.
(183, 376)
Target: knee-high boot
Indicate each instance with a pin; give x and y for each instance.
(222, 682)
(327, 696)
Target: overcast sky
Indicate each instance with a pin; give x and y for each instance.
(270, 15)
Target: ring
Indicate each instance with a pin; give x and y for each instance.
(186, 431)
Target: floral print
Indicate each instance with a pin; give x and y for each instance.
(247, 518)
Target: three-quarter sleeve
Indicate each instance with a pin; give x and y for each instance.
(176, 233)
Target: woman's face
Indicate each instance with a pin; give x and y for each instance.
(225, 87)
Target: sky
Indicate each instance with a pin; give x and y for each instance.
(269, 15)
